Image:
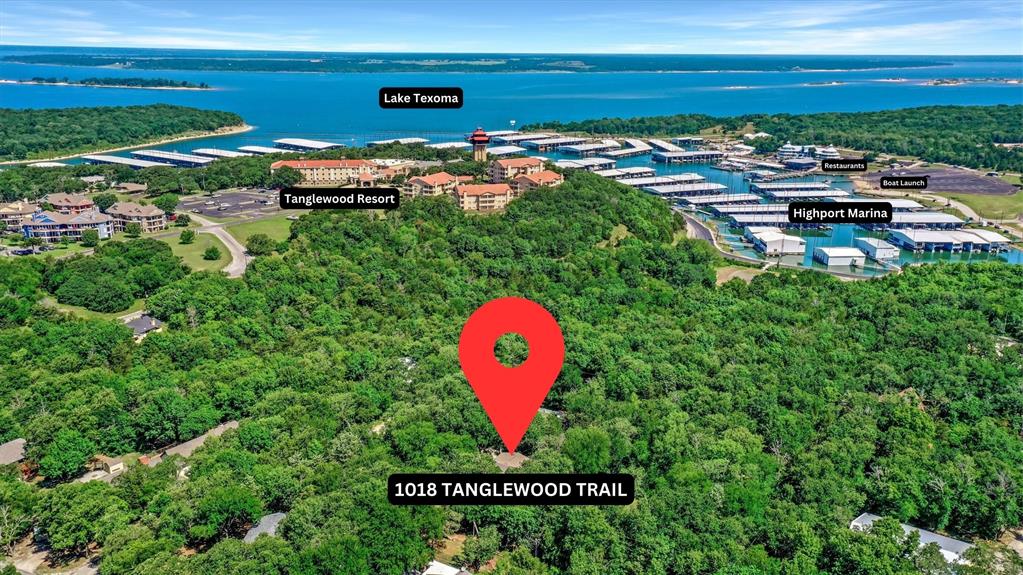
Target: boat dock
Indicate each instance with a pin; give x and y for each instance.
(665, 146)
(304, 145)
(518, 137)
(807, 194)
(550, 144)
(634, 148)
(663, 180)
(687, 141)
(403, 141)
(173, 158)
(263, 150)
(761, 188)
(215, 153)
(133, 163)
(502, 133)
(729, 209)
(588, 164)
(627, 173)
(591, 148)
(678, 191)
(697, 157)
(505, 150)
(449, 145)
(720, 199)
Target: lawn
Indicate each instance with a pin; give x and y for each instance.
(191, 253)
(49, 301)
(277, 227)
(991, 206)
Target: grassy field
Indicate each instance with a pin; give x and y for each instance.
(89, 314)
(992, 207)
(191, 253)
(277, 227)
(1012, 179)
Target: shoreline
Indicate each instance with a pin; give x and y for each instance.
(226, 131)
(119, 87)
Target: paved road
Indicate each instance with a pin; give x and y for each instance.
(239, 259)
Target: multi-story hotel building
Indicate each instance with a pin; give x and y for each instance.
(52, 226)
(150, 218)
(327, 172)
(525, 182)
(504, 170)
(438, 184)
(483, 197)
(69, 204)
(15, 213)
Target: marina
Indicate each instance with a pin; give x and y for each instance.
(589, 164)
(664, 146)
(550, 144)
(519, 137)
(450, 145)
(133, 163)
(696, 157)
(215, 153)
(304, 145)
(626, 173)
(720, 199)
(728, 209)
(675, 191)
(505, 150)
(590, 149)
(807, 195)
(640, 182)
(633, 148)
(263, 150)
(403, 141)
(173, 158)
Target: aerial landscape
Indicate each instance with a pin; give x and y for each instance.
(776, 246)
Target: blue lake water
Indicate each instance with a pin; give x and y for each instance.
(344, 108)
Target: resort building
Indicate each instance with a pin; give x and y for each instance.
(14, 213)
(800, 164)
(52, 226)
(826, 153)
(524, 183)
(483, 197)
(150, 218)
(438, 184)
(69, 204)
(951, 549)
(396, 166)
(790, 150)
(508, 169)
(839, 256)
(327, 172)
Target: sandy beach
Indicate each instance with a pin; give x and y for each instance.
(226, 131)
(77, 85)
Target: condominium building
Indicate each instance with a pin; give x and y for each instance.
(483, 197)
(14, 213)
(525, 182)
(69, 204)
(327, 172)
(437, 184)
(150, 218)
(508, 169)
(52, 226)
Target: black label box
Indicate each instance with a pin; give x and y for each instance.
(511, 489)
(339, 198)
(840, 213)
(421, 98)
(904, 182)
(844, 165)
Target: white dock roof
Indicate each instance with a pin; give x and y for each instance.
(133, 162)
(307, 144)
(505, 150)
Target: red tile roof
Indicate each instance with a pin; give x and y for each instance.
(298, 164)
(480, 189)
(543, 178)
(434, 180)
(519, 162)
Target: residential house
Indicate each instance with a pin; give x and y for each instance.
(150, 218)
(52, 226)
(129, 188)
(15, 213)
(526, 182)
(438, 568)
(267, 525)
(69, 204)
(508, 169)
(143, 325)
(327, 172)
(951, 549)
(12, 452)
(483, 197)
(438, 184)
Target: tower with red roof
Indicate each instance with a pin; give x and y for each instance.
(479, 140)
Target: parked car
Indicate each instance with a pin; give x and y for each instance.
(209, 203)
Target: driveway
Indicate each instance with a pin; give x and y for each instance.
(239, 259)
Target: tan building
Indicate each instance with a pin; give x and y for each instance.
(524, 183)
(438, 184)
(504, 170)
(15, 213)
(483, 197)
(69, 204)
(129, 187)
(327, 172)
(151, 218)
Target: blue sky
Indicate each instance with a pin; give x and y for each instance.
(568, 26)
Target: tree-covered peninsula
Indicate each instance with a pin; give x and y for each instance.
(163, 83)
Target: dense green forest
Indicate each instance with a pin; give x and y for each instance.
(961, 135)
(757, 419)
(44, 133)
(32, 183)
(122, 82)
(481, 63)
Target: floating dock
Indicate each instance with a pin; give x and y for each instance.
(549, 144)
(588, 164)
(687, 178)
(449, 145)
(687, 141)
(304, 145)
(678, 191)
(517, 137)
(920, 220)
(263, 150)
(627, 173)
(173, 158)
(634, 148)
(807, 194)
(589, 149)
(133, 163)
(403, 141)
(697, 157)
(721, 199)
(502, 133)
(727, 210)
(665, 146)
(780, 220)
(898, 204)
(47, 165)
(785, 187)
(215, 153)
(964, 240)
(505, 150)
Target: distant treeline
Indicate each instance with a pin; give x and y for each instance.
(961, 135)
(45, 133)
(353, 63)
(131, 82)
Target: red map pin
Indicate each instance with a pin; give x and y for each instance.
(511, 396)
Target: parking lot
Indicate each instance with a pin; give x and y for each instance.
(232, 204)
(951, 180)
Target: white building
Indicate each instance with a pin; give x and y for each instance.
(790, 150)
(951, 549)
(755, 136)
(877, 249)
(438, 568)
(839, 256)
(776, 243)
(826, 153)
